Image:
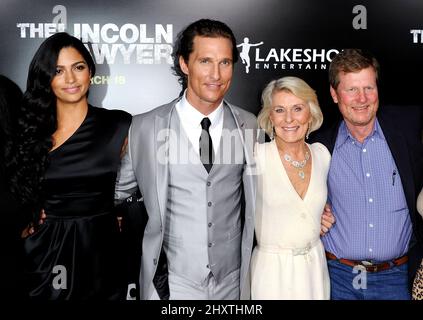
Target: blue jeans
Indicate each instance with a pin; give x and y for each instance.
(348, 283)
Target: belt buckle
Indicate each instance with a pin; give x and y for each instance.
(373, 268)
(369, 266)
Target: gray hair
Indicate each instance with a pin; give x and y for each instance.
(298, 88)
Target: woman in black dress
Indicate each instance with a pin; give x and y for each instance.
(70, 153)
(13, 217)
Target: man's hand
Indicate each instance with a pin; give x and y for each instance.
(119, 219)
(328, 220)
(30, 228)
(27, 231)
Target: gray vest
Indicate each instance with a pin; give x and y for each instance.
(203, 218)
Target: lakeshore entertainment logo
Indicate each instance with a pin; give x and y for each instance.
(262, 58)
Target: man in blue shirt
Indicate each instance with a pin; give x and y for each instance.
(373, 182)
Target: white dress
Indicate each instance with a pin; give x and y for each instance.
(289, 260)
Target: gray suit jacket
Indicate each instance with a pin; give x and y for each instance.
(145, 165)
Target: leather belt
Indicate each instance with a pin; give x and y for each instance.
(367, 265)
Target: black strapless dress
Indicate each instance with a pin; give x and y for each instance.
(76, 254)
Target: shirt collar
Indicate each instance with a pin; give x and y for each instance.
(344, 134)
(187, 111)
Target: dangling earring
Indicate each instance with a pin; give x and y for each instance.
(308, 131)
(273, 132)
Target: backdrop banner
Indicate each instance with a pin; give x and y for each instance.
(131, 42)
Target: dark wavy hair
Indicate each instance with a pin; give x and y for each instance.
(10, 100)
(37, 119)
(184, 44)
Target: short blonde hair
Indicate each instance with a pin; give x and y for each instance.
(298, 88)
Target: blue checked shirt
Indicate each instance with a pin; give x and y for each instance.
(367, 198)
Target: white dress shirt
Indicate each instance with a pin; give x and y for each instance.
(190, 119)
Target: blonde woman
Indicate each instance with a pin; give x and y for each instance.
(289, 259)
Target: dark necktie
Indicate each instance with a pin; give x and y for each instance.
(206, 145)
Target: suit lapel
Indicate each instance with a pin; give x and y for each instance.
(240, 123)
(248, 179)
(399, 150)
(329, 139)
(162, 122)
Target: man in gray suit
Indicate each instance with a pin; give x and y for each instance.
(192, 161)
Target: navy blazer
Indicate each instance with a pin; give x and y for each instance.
(402, 128)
